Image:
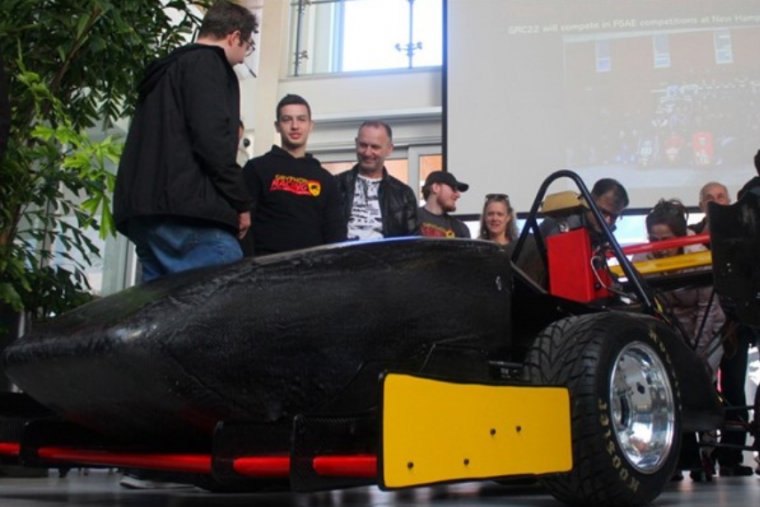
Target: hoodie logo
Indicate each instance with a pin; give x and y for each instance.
(436, 231)
(296, 185)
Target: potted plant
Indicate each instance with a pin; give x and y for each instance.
(71, 66)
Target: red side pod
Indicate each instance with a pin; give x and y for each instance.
(10, 449)
(362, 465)
(186, 463)
(263, 466)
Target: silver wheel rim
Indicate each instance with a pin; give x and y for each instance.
(642, 407)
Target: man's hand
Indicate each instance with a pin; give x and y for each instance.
(244, 223)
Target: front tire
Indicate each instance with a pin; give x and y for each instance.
(625, 407)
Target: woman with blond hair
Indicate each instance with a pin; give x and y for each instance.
(497, 221)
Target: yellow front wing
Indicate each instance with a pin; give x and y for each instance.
(435, 431)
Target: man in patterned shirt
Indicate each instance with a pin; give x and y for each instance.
(376, 205)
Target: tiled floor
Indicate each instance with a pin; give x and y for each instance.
(100, 489)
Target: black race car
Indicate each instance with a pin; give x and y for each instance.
(401, 363)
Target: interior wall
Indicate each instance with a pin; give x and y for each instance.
(410, 100)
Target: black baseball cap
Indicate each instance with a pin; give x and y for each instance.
(446, 178)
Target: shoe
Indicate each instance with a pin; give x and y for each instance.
(677, 476)
(700, 475)
(736, 471)
(134, 482)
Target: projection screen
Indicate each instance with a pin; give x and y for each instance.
(663, 95)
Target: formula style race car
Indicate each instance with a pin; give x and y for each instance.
(400, 363)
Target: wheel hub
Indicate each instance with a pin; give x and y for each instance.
(642, 407)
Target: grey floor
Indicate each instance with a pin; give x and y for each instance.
(101, 489)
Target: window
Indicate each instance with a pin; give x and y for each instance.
(358, 35)
(724, 52)
(603, 59)
(428, 162)
(661, 51)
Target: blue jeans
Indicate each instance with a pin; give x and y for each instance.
(168, 245)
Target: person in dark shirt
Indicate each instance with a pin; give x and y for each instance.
(710, 192)
(733, 366)
(441, 192)
(180, 196)
(296, 203)
(611, 199)
(752, 185)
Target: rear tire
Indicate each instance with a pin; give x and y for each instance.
(625, 407)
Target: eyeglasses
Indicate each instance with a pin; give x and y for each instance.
(497, 197)
(249, 47)
(614, 217)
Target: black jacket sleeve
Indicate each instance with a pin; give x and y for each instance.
(209, 94)
(334, 225)
(345, 198)
(410, 212)
(253, 186)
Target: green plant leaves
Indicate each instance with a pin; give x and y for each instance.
(71, 65)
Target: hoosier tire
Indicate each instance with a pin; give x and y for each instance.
(624, 407)
(755, 426)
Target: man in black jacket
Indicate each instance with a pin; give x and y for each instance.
(375, 204)
(710, 192)
(295, 199)
(733, 365)
(752, 185)
(179, 192)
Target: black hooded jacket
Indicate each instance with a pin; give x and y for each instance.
(752, 185)
(179, 158)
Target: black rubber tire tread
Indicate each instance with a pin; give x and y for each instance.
(570, 353)
(755, 428)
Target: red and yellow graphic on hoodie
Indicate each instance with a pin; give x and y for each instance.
(296, 185)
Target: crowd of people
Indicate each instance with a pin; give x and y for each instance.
(688, 121)
(185, 203)
(715, 335)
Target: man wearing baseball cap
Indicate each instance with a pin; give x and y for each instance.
(441, 192)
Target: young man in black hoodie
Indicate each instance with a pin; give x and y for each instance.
(296, 201)
(179, 194)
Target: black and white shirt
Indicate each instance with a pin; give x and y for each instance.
(366, 220)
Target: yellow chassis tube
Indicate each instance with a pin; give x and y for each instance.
(435, 431)
(675, 263)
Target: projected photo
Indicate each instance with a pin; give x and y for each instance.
(663, 95)
(684, 99)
